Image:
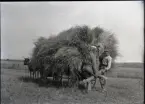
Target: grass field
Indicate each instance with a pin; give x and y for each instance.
(17, 88)
(121, 70)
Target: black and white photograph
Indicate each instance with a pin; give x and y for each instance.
(72, 52)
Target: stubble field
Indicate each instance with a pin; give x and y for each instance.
(18, 88)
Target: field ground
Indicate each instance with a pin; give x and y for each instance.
(17, 88)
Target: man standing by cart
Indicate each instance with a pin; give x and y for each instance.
(105, 65)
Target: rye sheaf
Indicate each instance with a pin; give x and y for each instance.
(64, 53)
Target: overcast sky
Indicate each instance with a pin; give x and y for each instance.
(22, 23)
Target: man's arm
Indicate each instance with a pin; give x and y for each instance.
(109, 63)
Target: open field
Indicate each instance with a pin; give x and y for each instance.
(18, 64)
(13, 64)
(130, 65)
(121, 70)
(17, 88)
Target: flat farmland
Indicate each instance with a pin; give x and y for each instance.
(120, 70)
(17, 88)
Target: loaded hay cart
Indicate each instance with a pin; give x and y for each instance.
(65, 52)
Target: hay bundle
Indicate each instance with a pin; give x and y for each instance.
(107, 39)
(69, 62)
(67, 52)
(70, 57)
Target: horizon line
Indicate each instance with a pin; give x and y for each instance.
(6, 59)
